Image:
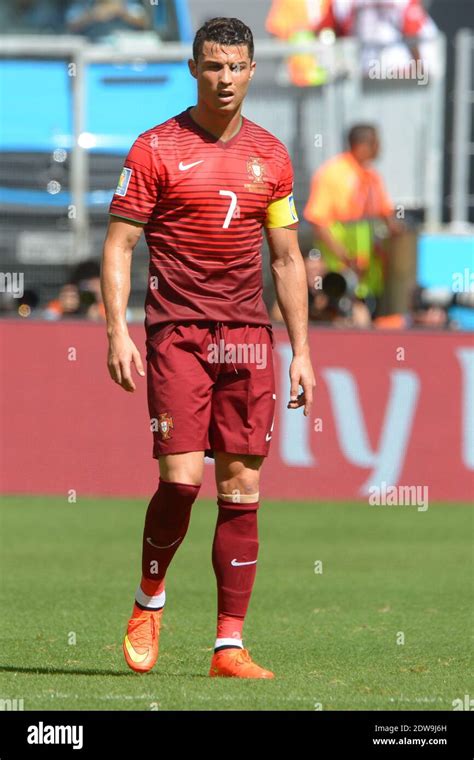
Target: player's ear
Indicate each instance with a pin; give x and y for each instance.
(192, 66)
(253, 66)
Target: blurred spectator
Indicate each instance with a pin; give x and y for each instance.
(81, 296)
(86, 277)
(396, 35)
(331, 297)
(65, 305)
(24, 306)
(347, 196)
(28, 304)
(429, 309)
(295, 21)
(101, 18)
(432, 318)
(25, 16)
(332, 301)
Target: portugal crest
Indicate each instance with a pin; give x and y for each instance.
(165, 423)
(256, 169)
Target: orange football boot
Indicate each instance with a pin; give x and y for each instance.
(140, 645)
(236, 663)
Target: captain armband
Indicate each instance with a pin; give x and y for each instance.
(282, 213)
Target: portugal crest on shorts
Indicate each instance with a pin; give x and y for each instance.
(165, 423)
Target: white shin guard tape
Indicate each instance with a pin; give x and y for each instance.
(239, 498)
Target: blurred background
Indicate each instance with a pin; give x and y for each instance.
(80, 79)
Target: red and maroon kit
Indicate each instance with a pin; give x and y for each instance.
(203, 203)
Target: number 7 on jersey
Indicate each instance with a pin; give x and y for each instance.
(232, 207)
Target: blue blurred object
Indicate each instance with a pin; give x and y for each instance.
(79, 12)
(183, 18)
(133, 99)
(448, 261)
(39, 115)
(121, 101)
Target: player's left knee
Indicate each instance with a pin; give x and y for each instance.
(239, 490)
(238, 480)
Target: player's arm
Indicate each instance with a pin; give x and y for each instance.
(122, 237)
(289, 277)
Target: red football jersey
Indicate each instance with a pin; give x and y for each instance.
(203, 203)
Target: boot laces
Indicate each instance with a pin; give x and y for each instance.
(143, 630)
(243, 656)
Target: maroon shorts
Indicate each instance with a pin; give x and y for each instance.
(211, 387)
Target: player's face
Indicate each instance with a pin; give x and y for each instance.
(223, 75)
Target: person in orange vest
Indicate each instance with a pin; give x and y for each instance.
(295, 21)
(347, 196)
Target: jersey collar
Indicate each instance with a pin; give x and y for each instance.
(212, 138)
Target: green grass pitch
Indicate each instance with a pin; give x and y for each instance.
(333, 638)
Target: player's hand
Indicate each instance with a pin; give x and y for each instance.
(122, 354)
(301, 373)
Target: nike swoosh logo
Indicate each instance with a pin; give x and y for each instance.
(135, 656)
(268, 437)
(163, 547)
(185, 167)
(237, 564)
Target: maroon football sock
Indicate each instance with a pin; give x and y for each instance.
(166, 524)
(234, 554)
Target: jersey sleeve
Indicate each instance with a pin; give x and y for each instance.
(138, 188)
(284, 185)
(281, 211)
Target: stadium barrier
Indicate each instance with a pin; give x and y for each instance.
(390, 408)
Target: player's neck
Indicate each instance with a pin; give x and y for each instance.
(224, 126)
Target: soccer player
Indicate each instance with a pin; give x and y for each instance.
(203, 185)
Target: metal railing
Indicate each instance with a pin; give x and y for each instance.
(463, 146)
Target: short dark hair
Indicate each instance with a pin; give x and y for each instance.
(224, 31)
(361, 133)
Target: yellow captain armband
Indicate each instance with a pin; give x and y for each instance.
(282, 213)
